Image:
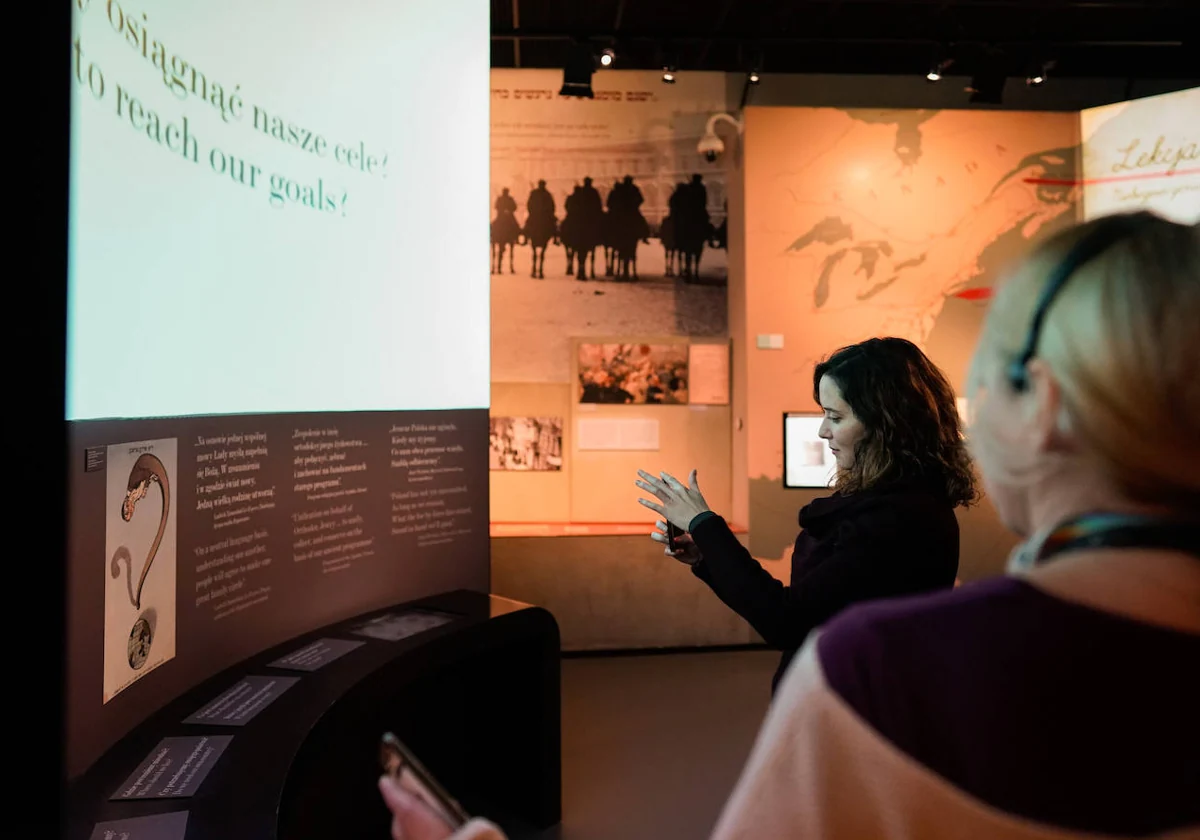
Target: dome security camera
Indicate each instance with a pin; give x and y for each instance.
(711, 146)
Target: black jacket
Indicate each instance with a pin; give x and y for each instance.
(898, 539)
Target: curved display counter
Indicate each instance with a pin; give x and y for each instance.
(286, 744)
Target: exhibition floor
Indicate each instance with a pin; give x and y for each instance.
(653, 744)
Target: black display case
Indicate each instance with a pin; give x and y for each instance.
(476, 698)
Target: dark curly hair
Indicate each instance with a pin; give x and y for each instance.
(910, 419)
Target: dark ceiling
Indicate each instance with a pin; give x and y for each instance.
(1145, 39)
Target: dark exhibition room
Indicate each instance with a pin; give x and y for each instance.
(621, 420)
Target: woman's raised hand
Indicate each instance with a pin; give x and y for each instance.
(678, 503)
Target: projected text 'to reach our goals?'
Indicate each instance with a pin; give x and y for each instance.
(176, 133)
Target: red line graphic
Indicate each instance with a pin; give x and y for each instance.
(974, 294)
(1086, 182)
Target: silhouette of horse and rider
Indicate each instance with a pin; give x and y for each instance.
(505, 232)
(617, 226)
(541, 226)
(687, 228)
(623, 228)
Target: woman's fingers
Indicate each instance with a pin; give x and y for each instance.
(649, 488)
(658, 536)
(412, 819)
(673, 483)
(652, 483)
(654, 507)
(645, 476)
(657, 491)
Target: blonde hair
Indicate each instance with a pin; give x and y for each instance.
(1122, 339)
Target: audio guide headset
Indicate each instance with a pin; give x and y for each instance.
(1106, 233)
(1098, 529)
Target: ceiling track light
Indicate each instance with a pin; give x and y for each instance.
(608, 57)
(668, 75)
(755, 77)
(939, 66)
(1038, 75)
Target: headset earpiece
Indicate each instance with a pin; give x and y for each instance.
(1018, 376)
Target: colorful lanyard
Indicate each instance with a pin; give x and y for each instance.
(1117, 530)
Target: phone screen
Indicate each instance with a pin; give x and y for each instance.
(399, 763)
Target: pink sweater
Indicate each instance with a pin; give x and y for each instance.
(994, 710)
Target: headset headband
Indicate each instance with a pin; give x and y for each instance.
(1109, 231)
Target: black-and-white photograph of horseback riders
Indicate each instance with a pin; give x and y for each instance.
(633, 374)
(612, 228)
(605, 220)
(531, 444)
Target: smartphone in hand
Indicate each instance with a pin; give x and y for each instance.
(399, 763)
(673, 534)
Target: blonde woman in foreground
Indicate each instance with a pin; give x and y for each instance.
(1063, 699)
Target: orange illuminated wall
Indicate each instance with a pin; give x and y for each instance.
(863, 223)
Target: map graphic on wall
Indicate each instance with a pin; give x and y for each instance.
(532, 444)
(890, 215)
(633, 374)
(865, 222)
(139, 562)
(605, 219)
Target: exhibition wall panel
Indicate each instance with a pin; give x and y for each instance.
(521, 492)
(689, 437)
(278, 348)
(687, 429)
(635, 128)
(1144, 154)
(570, 453)
(618, 181)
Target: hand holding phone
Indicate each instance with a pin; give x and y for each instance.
(678, 541)
(673, 532)
(400, 764)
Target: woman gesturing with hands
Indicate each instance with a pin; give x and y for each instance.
(679, 504)
(889, 528)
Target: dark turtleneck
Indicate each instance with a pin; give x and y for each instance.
(896, 539)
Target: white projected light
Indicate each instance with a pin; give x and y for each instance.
(274, 209)
(807, 461)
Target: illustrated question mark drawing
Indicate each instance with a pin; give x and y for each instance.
(147, 470)
(122, 553)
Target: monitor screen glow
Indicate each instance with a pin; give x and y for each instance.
(807, 461)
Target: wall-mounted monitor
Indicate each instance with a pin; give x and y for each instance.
(807, 461)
